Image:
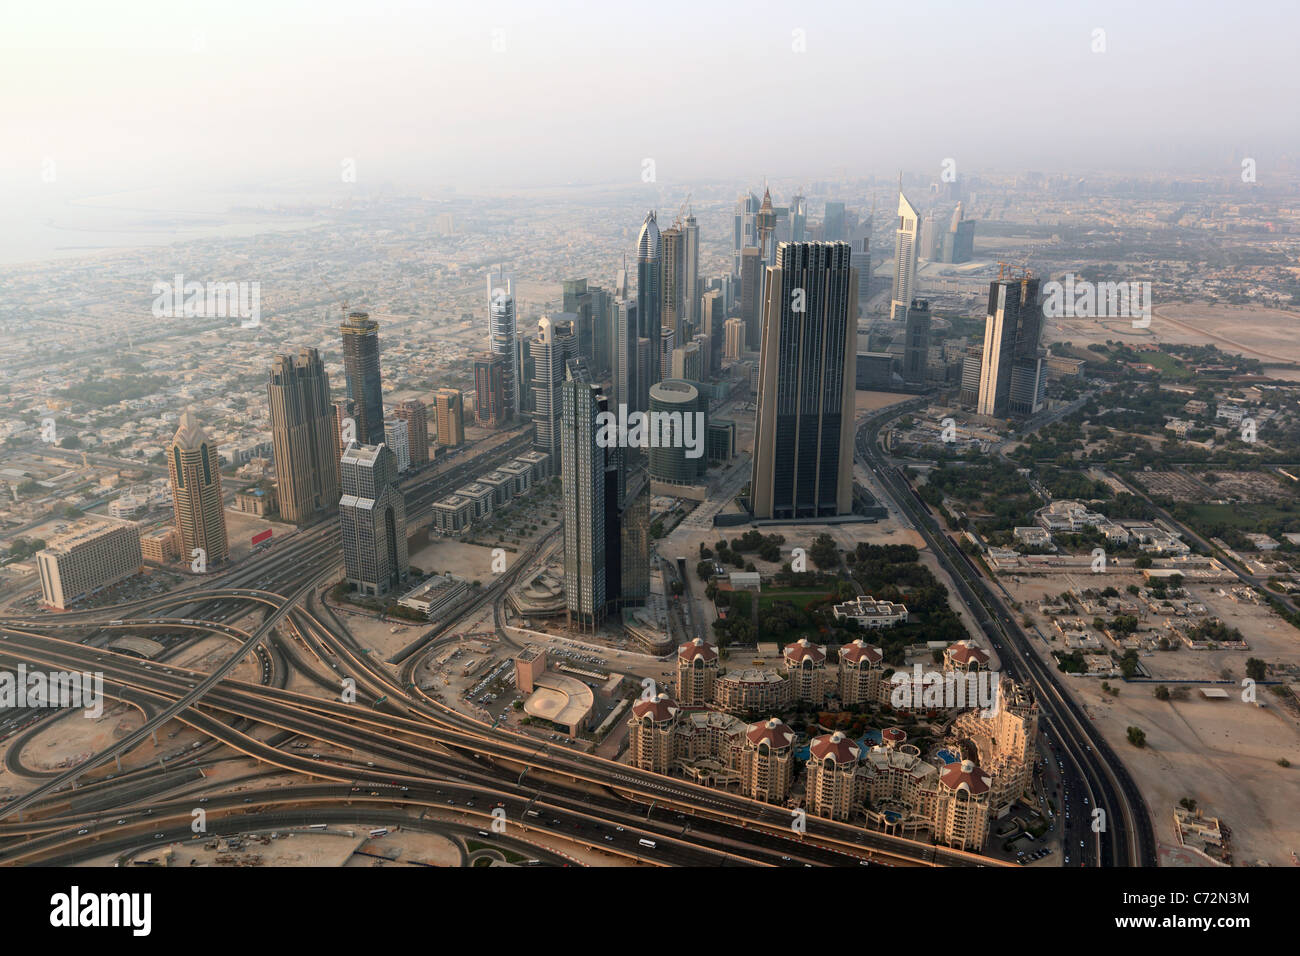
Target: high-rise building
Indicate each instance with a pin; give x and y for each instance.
(451, 417)
(688, 362)
(624, 368)
(649, 291)
(195, 470)
(674, 400)
(489, 390)
(767, 761)
(372, 517)
(361, 368)
(634, 520)
(691, 269)
(644, 367)
(91, 555)
(1012, 360)
(798, 218)
(343, 430)
(765, 232)
(931, 239)
(860, 246)
(502, 340)
(743, 234)
(833, 223)
(553, 347)
(712, 317)
(667, 342)
(834, 785)
(803, 440)
(751, 307)
(805, 666)
(916, 345)
(860, 672)
(734, 338)
(302, 434)
(416, 417)
(961, 816)
(672, 302)
(959, 241)
(972, 366)
(578, 309)
(906, 249)
(697, 669)
(527, 369)
(396, 437)
(583, 477)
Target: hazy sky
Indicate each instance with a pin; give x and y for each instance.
(277, 92)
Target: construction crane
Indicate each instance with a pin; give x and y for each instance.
(683, 210)
(1007, 271)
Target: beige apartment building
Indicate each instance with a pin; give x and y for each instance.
(712, 748)
(805, 665)
(93, 554)
(752, 690)
(767, 761)
(860, 673)
(961, 817)
(697, 670)
(1004, 741)
(161, 546)
(835, 788)
(733, 343)
(650, 732)
(451, 418)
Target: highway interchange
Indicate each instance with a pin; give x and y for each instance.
(412, 759)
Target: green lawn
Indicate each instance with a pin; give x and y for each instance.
(1238, 515)
(799, 598)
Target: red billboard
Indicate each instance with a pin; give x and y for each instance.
(262, 536)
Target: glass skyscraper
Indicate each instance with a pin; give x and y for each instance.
(361, 368)
(803, 439)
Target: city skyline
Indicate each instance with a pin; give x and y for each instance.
(682, 437)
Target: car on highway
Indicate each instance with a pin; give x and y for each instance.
(83, 830)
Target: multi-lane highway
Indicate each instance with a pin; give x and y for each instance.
(391, 736)
(1123, 834)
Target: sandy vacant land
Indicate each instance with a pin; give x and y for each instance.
(1252, 331)
(1223, 754)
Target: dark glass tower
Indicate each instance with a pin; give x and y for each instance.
(361, 367)
(803, 439)
(302, 424)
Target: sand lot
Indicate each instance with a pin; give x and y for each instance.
(1223, 754)
(1261, 333)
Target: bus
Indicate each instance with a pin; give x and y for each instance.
(378, 832)
(317, 826)
(644, 842)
